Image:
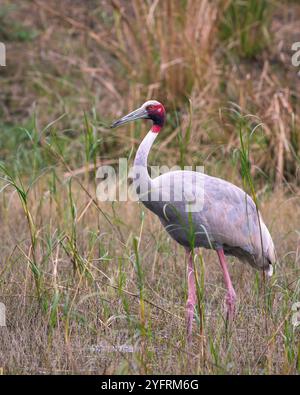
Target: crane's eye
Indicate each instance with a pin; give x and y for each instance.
(150, 107)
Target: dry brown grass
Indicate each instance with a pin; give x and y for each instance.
(94, 311)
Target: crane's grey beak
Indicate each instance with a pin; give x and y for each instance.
(137, 114)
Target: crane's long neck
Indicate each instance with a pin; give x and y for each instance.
(140, 172)
(141, 156)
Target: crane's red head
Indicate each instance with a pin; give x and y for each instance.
(151, 109)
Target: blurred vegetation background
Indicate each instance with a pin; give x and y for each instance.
(103, 58)
(79, 276)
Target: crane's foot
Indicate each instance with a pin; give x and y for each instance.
(230, 301)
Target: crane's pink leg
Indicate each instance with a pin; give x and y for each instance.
(231, 296)
(191, 301)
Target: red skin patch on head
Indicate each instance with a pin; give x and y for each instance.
(156, 112)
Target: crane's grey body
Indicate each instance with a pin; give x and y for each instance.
(200, 211)
(228, 217)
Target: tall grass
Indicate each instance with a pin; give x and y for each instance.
(101, 295)
(167, 64)
(245, 26)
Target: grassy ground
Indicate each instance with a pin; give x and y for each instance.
(99, 287)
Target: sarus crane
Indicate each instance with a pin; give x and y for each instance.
(226, 220)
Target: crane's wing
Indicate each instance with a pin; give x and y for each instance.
(211, 213)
